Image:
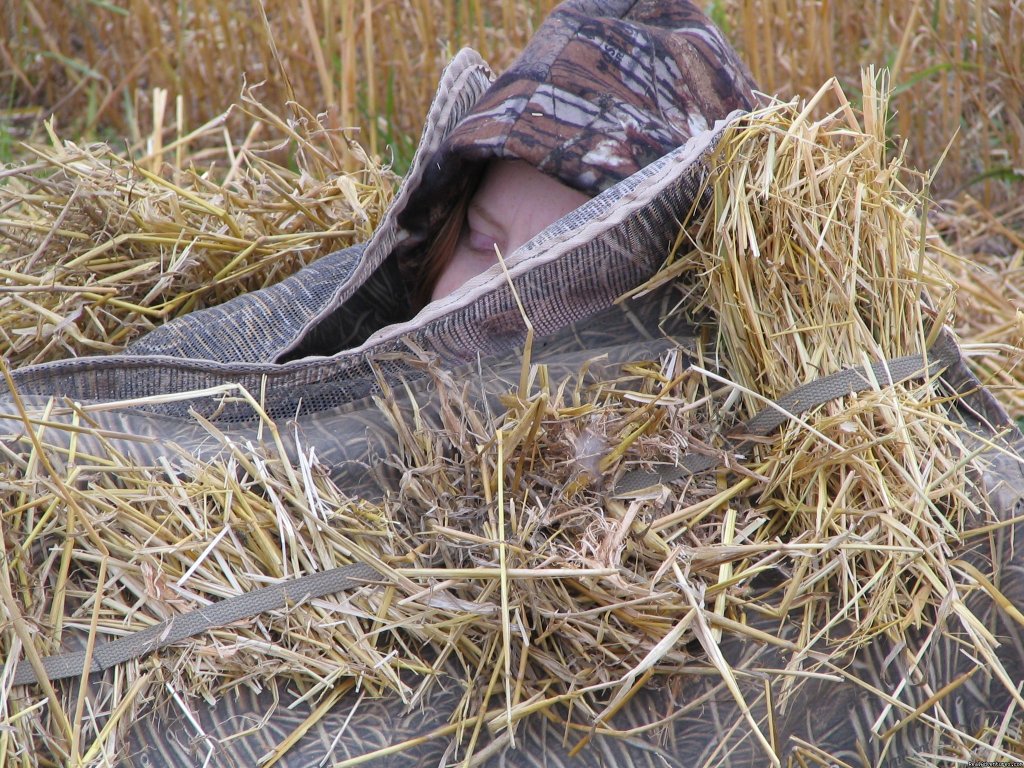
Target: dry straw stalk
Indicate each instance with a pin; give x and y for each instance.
(97, 249)
(520, 560)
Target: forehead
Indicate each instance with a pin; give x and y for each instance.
(511, 185)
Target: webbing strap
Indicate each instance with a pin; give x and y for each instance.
(849, 381)
(276, 597)
(186, 625)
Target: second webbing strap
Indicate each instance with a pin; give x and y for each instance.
(849, 381)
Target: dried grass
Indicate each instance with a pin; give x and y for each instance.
(516, 557)
(812, 218)
(97, 249)
(813, 263)
(372, 67)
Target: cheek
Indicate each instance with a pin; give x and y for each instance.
(541, 211)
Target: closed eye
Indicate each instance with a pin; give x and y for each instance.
(482, 242)
(484, 231)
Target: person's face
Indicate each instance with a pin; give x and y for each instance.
(512, 204)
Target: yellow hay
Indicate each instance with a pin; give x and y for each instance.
(810, 259)
(96, 249)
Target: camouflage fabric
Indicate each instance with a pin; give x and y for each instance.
(602, 90)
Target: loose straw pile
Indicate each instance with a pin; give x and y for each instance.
(96, 248)
(520, 562)
(815, 262)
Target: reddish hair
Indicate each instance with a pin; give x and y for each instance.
(441, 250)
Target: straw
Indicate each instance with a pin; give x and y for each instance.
(506, 547)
